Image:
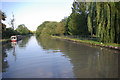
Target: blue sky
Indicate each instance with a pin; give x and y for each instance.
(33, 12)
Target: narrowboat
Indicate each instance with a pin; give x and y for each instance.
(15, 38)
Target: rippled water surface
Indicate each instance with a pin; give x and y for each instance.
(53, 58)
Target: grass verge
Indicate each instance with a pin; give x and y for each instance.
(4, 40)
(96, 43)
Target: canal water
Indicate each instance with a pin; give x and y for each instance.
(54, 58)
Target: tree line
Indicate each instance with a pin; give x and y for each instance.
(8, 32)
(100, 19)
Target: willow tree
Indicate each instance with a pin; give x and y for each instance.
(106, 19)
(92, 22)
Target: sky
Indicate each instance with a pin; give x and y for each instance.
(32, 13)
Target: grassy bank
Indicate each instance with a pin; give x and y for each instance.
(8, 40)
(4, 40)
(96, 43)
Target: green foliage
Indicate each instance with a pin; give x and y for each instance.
(40, 28)
(8, 33)
(33, 32)
(66, 26)
(2, 16)
(92, 18)
(2, 26)
(107, 18)
(101, 19)
(90, 25)
(5, 32)
(47, 28)
(60, 29)
(23, 30)
(77, 24)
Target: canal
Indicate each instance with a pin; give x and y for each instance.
(54, 58)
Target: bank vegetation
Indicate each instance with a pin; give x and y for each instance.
(88, 19)
(7, 32)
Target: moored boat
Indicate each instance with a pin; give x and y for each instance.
(15, 38)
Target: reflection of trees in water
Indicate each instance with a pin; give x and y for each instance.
(47, 43)
(24, 41)
(4, 61)
(94, 63)
(13, 44)
(87, 61)
(107, 63)
(6, 46)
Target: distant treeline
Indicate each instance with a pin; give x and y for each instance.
(8, 32)
(21, 30)
(100, 19)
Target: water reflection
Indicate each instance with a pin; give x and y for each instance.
(35, 62)
(10, 46)
(5, 55)
(54, 58)
(13, 44)
(47, 43)
(88, 62)
(24, 41)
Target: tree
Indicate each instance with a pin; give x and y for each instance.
(101, 19)
(22, 29)
(2, 17)
(106, 19)
(78, 19)
(47, 28)
(40, 28)
(61, 27)
(12, 21)
(2, 26)
(92, 20)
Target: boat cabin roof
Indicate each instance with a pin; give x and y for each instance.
(13, 36)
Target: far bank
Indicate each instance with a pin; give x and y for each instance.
(8, 39)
